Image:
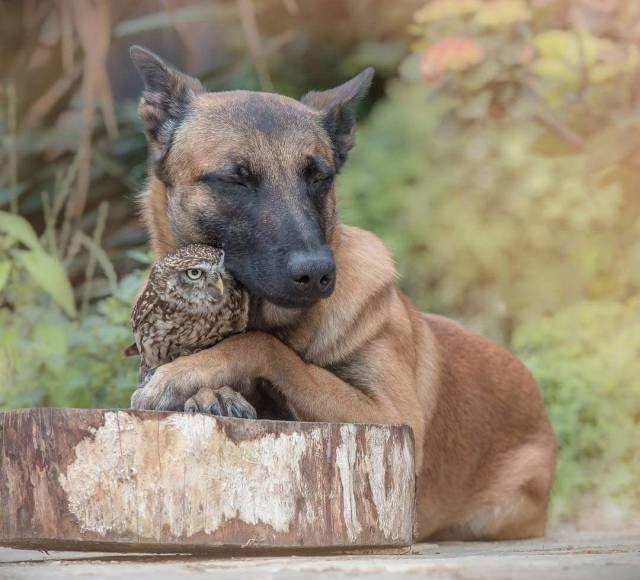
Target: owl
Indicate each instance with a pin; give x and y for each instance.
(190, 302)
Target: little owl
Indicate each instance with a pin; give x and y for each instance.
(190, 303)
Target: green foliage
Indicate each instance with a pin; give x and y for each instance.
(45, 270)
(48, 355)
(586, 359)
(485, 227)
(503, 171)
(48, 359)
(18, 229)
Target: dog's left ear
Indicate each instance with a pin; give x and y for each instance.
(165, 99)
(339, 106)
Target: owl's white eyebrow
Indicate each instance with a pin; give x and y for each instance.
(198, 266)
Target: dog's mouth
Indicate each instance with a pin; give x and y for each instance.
(282, 299)
(289, 303)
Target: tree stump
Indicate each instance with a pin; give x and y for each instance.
(123, 480)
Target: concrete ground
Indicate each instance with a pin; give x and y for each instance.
(607, 556)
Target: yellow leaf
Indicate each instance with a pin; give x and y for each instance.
(555, 69)
(495, 13)
(443, 9)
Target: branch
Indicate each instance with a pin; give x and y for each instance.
(251, 33)
(547, 117)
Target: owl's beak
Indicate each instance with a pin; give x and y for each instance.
(220, 285)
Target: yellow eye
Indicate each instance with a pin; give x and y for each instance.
(194, 273)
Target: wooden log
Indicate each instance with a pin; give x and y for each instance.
(123, 480)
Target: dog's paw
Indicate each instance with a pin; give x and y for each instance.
(223, 402)
(166, 389)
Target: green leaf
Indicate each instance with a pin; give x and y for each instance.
(5, 270)
(20, 229)
(48, 273)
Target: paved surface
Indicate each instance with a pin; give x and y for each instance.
(569, 557)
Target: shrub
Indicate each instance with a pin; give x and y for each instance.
(49, 355)
(503, 170)
(586, 359)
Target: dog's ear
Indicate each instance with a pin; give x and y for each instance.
(165, 98)
(339, 106)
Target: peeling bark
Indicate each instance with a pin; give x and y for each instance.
(140, 480)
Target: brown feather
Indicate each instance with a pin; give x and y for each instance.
(175, 316)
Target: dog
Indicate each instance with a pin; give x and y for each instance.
(254, 174)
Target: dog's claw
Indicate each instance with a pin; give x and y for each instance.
(223, 402)
(190, 406)
(243, 412)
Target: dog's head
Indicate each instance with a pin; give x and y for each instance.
(252, 173)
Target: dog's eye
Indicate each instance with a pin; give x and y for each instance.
(321, 178)
(194, 273)
(320, 181)
(243, 174)
(317, 172)
(239, 176)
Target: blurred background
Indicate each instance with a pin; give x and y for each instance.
(498, 156)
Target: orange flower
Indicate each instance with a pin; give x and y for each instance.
(454, 53)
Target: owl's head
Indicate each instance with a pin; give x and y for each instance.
(193, 275)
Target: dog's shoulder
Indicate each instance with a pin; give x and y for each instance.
(362, 259)
(360, 305)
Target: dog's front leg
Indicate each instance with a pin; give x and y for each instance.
(192, 383)
(313, 393)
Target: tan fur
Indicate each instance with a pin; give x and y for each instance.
(485, 451)
(154, 214)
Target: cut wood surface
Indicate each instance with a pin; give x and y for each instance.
(151, 481)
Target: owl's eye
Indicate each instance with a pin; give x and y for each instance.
(194, 273)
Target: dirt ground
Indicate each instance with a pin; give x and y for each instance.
(606, 556)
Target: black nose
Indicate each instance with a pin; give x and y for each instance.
(313, 273)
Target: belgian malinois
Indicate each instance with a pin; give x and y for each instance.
(254, 174)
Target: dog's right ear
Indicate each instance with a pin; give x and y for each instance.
(165, 99)
(338, 107)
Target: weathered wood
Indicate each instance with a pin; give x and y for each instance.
(152, 481)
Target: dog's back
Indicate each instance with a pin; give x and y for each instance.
(489, 450)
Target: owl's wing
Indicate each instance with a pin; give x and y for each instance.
(141, 310)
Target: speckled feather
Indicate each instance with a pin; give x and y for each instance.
(175, 316)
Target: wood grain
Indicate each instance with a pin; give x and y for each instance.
(153, 481)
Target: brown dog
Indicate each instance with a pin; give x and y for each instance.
(253, 173)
